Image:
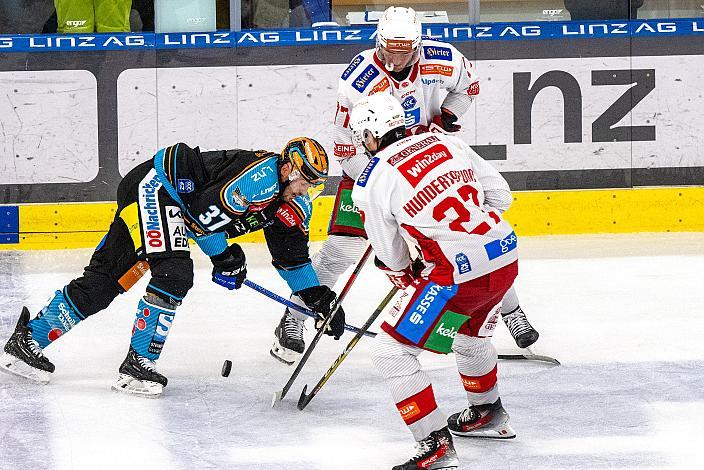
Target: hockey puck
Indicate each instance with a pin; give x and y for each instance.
(226, 367)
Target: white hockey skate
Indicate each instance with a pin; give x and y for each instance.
(487, 421)
(138, 376)
(23, 356)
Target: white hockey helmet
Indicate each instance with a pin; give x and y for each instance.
(399, 30)
(376, 116)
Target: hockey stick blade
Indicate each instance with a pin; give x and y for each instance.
(276, 398)
(529, 357)
(304, 399)
(319, 334)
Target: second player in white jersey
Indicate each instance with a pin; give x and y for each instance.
(441, 79)
(436, 192)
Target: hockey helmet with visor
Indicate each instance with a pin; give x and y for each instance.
(398, 38)
(308, 158)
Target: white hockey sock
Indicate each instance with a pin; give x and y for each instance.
(476, 363)
(410, 386)
(337, 254)
(510, 301)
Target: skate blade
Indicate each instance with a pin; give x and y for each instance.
(495, 431)
(276, 397)
(503, 433)
(14, 366)
(142, 388)
(497, 428)
(284, 355)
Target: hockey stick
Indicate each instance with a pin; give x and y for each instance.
(306, 398)
(294, 306)
(530, 356)
(279, 395)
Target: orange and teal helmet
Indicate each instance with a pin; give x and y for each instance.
(308, 158)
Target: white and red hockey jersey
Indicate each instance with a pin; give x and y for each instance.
(442, 77)
(436, 192)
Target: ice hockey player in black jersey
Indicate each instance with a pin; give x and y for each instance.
(184, 193)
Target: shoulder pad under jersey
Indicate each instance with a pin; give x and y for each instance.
(256, 185)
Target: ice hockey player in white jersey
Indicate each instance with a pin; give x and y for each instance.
(433, 191)
(436, 85)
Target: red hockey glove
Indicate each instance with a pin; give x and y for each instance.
(403, 278)
(444, 122)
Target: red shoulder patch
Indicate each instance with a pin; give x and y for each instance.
(288, 215)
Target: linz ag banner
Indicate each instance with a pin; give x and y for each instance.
(344, 35)
(575, 122)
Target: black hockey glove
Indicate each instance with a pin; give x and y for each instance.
(230, 267)
(444, 122)
(320, 299)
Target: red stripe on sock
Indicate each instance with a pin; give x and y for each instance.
(479, 384)
(418, 406)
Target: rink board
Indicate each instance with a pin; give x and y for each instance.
(80, 225)
(595, 125)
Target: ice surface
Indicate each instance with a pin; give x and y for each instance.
(623, 314)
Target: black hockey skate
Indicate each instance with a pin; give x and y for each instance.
(23, 356)
(523, 332)
(138, 376)
(435, 452)
(289, 345)
(488, 421)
